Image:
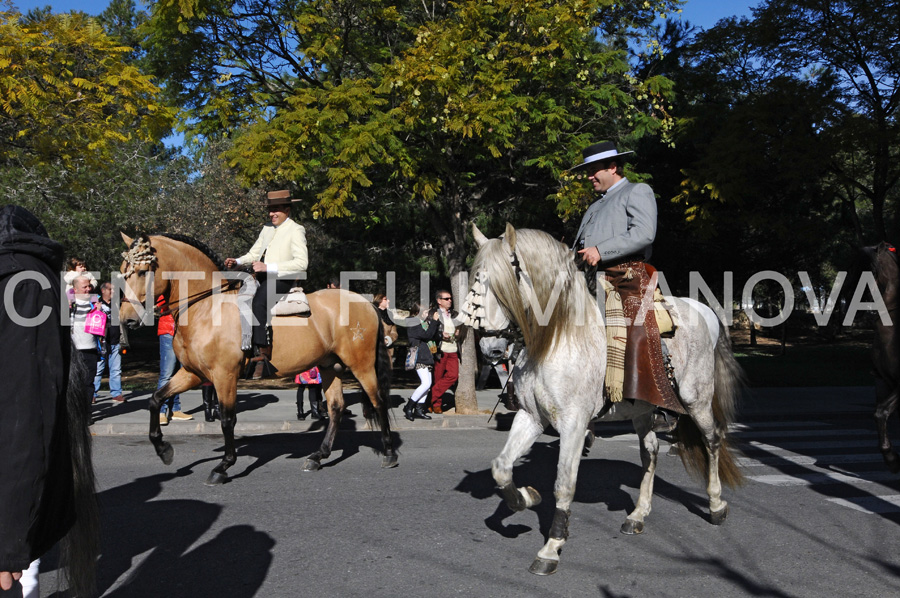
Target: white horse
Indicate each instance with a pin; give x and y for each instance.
(529, 278)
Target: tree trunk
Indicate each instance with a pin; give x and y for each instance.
(452, 226)
(466, 401)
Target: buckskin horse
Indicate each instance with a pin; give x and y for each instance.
(529, 278)
(886, 346)
(342, 335)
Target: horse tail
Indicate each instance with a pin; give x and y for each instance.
(81, 545)
(729, 382)
(383, 371)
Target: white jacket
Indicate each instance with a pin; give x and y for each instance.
(284, 246)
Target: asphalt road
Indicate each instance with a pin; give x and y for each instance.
(818, 516)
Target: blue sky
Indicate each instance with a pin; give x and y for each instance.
(703, 13)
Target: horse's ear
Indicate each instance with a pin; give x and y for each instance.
(480, 239)
(510, 236)
(128, 240)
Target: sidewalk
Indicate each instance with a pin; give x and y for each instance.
(266, 411)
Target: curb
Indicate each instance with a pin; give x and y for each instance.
(445, 422)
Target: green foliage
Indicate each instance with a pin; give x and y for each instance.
(440, 103)
(84, 206)
(799, 102)
(67, 94)
(121, 20)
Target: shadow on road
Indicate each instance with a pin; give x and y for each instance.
(600, 481)
(148, 546)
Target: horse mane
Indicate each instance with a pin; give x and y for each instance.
(198, 245)
(549, 265)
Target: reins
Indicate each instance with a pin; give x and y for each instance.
(184, 304)
(142, 253)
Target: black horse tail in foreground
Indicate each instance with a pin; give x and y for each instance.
(886, 346)
(80, 547)
(383, 371)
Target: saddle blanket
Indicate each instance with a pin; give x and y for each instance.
(294, 303)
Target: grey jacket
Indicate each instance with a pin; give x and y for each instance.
(620, 224)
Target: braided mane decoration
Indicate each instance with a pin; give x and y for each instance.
(140, 253)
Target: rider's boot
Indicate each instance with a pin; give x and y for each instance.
(664, 420)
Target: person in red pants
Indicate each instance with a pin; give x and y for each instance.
(446, 366)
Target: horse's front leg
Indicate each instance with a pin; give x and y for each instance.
(180, 382)
(649, 443)
(226, 388)
(571, 444)
(524, 431)
(886, 403)
(334, 395)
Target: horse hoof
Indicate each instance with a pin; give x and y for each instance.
(532, 496)
(543, 566)
(166, 453)
(312, 465)
(216, 478)
(718, 517)
(892, 460)
(674, 450)
(388, 461)
(632, 527)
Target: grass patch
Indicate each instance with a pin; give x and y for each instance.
(807, 365)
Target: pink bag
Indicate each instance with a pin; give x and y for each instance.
(95, 322)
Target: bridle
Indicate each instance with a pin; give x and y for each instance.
(474, 307)
(141, 253)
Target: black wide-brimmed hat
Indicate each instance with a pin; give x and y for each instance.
(275, 199)
(605, 150)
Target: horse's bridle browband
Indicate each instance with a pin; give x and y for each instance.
(140, 253)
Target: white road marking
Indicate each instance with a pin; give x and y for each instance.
(809, 479)
(871, 504)
(819, 461)
(751, 434)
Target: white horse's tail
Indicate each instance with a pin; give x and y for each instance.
(729, 382)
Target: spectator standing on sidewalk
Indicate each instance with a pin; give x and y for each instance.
(86, 343)
(168, 365)
(311, 380)
(446, 366)
(110, 356)
(383, 304)
(422, 334)
(75, 267)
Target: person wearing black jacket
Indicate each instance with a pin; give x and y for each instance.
(46, 473)
(426, 327)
